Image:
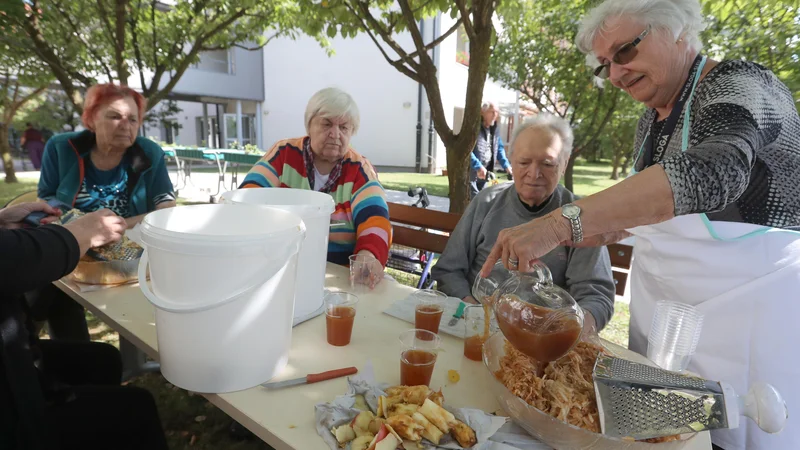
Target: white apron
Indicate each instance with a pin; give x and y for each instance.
(746, 280)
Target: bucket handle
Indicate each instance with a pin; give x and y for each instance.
(276, 263)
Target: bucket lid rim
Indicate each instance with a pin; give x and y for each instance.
(147, 229)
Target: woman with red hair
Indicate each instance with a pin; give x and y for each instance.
(104, 167)
(107, 165)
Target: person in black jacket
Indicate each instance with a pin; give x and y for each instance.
(61, 395)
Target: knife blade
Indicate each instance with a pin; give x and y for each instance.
(312, 378)
(459, 313)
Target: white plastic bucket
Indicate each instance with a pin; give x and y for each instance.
(315, 208)
(223, 280)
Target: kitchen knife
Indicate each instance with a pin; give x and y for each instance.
(312, 378)
(459, 313)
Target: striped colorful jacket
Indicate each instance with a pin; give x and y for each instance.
(359, 197)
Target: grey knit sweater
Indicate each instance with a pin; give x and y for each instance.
(584, 272)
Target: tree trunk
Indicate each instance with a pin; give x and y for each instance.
(615, 163)
(458, 180)
(568, 172)
(625, 163)
(5, 152)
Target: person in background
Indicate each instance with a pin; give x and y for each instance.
(56, 394)
(105, 166)
(33, 142)
(324, 161)
(541, 147)
(714, 202)
(489, 153)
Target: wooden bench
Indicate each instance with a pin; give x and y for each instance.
(410, 218)
(621, 256)
(407, 218)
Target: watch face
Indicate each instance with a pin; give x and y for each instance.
(571, 211)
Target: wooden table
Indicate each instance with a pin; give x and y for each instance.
(285, 418)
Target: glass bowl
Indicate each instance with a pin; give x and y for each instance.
(550, 430)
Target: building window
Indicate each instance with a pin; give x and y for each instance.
(462, 47)
(217, 61)
(170, 129)
(248, 130)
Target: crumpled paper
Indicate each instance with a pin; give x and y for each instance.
(341, 411)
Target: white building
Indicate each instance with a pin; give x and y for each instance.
(269, 88)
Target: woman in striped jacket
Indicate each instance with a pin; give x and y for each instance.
(324, 161)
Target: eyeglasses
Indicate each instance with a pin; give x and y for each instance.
(624, 55)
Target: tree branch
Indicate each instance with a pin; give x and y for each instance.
(366, 19)
(120, 14)
(416, 36)
(436, 41)
(468, 28)
(136, 50)
(399, 64)
(46, 53)
(79, 35)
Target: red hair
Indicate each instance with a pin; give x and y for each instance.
(100, 95)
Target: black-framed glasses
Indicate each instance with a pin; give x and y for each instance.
(624, 55)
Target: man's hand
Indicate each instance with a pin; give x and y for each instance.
(97, 229)
(482, 173)
(12, 217)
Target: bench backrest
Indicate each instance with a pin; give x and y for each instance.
(410, 218)
(621, 256)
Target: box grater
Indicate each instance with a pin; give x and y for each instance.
(123, 250)
(642, 402)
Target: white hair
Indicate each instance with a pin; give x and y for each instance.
(554, 125)
(682, 18)
(332, 103)
(488, 104)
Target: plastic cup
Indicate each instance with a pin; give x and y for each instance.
(428, 310)
(363, 277)
(478, 330)
(340, 313)
(674, 334)
(418, 356)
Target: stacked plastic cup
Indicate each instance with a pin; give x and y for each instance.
(674, 334)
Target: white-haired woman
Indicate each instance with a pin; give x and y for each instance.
(489, 153)
(324, 161)
(713, 203)
(540, 149)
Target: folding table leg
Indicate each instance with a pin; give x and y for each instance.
(134, 361)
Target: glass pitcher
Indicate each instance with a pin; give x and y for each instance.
(537, 317)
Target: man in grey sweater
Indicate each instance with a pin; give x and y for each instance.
(540, 150)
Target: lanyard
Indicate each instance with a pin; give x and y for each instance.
(686, 117)
(655, 146)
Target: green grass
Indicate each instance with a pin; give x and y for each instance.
(616, 330)
(588, 178)
(402, 181)
(10, 190)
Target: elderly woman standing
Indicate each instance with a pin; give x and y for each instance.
(540, 150)
(713, 204)
(104, 167)
(324, 161)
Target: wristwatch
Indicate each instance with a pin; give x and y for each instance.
(573, 212)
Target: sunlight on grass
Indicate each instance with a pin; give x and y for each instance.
(617, 329)
(10, 190)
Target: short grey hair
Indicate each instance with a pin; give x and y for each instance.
(332, 103)
(553, 124)
(488, 104)
(681, 18)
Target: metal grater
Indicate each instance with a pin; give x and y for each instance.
(118, 248)
(642, 402)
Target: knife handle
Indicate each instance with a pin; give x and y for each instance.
(331, 374)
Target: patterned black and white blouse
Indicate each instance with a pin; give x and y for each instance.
(743, 159)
